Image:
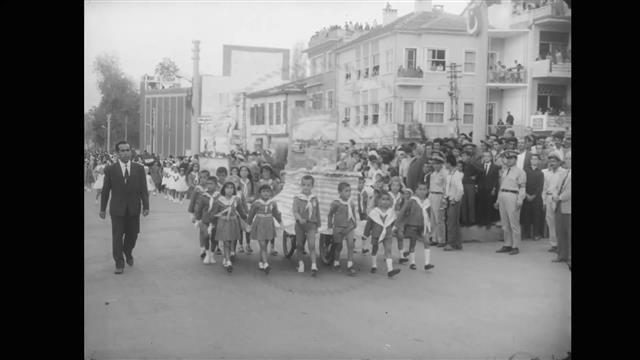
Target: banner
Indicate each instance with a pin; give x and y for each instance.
(313, 140)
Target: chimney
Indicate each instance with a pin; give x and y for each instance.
(389, 15)
(422, 5)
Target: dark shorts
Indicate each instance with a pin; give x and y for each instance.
(413, 232)
(340, 233)
(303, 230)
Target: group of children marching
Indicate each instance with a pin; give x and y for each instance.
(229, 208)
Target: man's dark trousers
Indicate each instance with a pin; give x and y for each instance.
(125, 231)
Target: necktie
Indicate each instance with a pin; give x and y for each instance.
(126, 173)
(486, 169)
(359, 203)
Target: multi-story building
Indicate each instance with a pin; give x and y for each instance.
(395, 79)
(529, 59)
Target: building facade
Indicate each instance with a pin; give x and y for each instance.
(529, 59)
(394, 82)
(165, 118)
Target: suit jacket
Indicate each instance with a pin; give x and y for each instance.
(564, 194)
(535, 181)
(124, 196)
(527, 160)
(490, 181)
(415, 174)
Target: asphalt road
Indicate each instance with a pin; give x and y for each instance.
(474, 304)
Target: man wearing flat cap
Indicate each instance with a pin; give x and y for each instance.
(553, 174)
(510, 198)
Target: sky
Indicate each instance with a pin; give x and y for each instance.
(141, 33)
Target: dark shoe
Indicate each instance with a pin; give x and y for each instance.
(351, 271)
(230, 269)
(130, 261)
(267, 269)
(393, 272)
(413, 266)
(458, 248)
(336, 267)
(429, 266)
(249, 249)
(403, 260)
(374, 270)
(119, 271)
(536, 238)
(559, 260)
(241, 250)
(448, 248)
(504, 249)
(203, 255)
(514, 251)
(364, 251)
(441, 245)
(553, 249)
(406, 253)
(218, 252)
(314, 272)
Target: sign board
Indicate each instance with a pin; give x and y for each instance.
(313, 140)
(537, 122)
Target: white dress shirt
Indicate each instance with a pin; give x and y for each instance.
(520, 160)
(124, 166)
(454, 189)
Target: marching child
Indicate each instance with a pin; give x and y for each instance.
(246, 186)
(261, 216)
(205, 226)
(151, 187)
(306, 210)
(221, 174)
(399, 197)
(244, 227)
(200, 188)
(417, 225)
(380, 224)
(343, 220)
(181, 185)
(227, 212)
(268, 178)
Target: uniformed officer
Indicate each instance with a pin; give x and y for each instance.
(437, 182)
(510, 198)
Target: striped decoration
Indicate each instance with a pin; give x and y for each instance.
(325, 188)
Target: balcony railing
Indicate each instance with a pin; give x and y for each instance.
(410, 73)
(547, 68)
(532, 13)
(550, 122)
(507, 77)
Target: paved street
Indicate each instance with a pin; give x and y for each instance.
(475, 304)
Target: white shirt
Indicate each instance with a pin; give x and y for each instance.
(403, 168)
(520, 161)
(454, 189)
(124, 166)
(551, 181)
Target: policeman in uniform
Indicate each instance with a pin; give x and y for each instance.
(510, 198)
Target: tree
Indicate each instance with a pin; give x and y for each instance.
(167, 70)
(298, 62)
(119, 98)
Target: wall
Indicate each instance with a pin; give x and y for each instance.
(270, 133)
(515, 48)
(514, 100)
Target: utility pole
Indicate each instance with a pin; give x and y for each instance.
(453, 76)
(108, 132)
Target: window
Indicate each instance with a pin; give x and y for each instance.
(285, 112)
(316, 101)
(299, 104)
(330, 99)
(347, 116)
(365, 115)
(388, 61)
(491, 113)
(278, 110)
(470, 61)
(347, 72)
(552, 98)
(365, 61)
(270, 113)
(252, 115)
(388, 116)
(408, 111)
(434, 112)
(358, 69)
(467, 118)
(375, 63)
(436, 59)
(374, 113)
(410, 58)
(260, 109)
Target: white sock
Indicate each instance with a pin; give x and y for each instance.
(427, 256)
(300, 266)
(265, 265)
(260, 265)
(389, 264)
(412, 257)
(313, 266)
(202, 250)
(336, 263)
(374, 261)
(349, 264)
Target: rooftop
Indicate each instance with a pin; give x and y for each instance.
(288, 88)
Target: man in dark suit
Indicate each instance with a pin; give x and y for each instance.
(532, 215)
(471, 170)
(486, 214)
(416, 173)
(128, 184)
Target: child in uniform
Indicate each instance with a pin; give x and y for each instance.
(97, 186)
(417, 225)
(306, 210)
(267, 178)
(206, 231)
(181, 185)
(343, 220)
(246, 186)
(263, 212)
(227, 210)
(380, 224)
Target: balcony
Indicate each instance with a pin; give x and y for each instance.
(550, 122)
(503, 79)
(409, 77)
(553, 10)
(547, 69)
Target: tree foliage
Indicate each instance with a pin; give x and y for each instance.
(167, 70)
(120, 98)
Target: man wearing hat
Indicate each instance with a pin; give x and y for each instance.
(553, 174)
(532, 215)
(471, 170)
(510, 198)
(437, 182)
